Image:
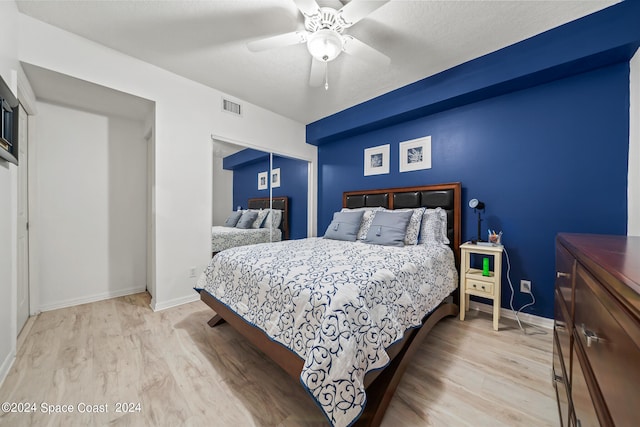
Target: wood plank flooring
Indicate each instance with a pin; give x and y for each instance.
(183, 373)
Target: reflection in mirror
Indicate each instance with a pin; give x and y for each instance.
(244, 175)
(289, 178)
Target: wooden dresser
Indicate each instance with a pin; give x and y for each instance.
(596, 352)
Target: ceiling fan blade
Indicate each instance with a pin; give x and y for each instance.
(307, 7)
(355, 47)
(281, 40)
(355, 10)
(318, 70)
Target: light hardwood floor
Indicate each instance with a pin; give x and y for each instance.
(183, 373)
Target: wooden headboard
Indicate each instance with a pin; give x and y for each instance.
(446, 196)
(281, 203)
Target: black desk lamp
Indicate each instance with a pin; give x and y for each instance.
(477, 206)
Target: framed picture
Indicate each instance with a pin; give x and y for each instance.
(376, 160)
(415, 154)
(263, 184)
(275, 178)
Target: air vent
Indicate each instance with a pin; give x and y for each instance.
(231, 107)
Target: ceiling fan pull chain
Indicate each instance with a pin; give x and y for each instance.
(326, 76)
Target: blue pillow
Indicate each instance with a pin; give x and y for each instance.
(388, 228)
(232, 220)
(345, 226)
(247, 219)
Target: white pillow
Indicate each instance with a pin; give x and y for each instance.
(274, 217)
(413, 229)
(367, 219)
(434, 226)
(262, 214)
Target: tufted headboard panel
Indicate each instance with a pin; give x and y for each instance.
(445, 196)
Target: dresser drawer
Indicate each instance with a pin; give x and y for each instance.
(478, 287)
(585, 414)
(565, 271)
(611, 354)
(562, 330)
(560, 384)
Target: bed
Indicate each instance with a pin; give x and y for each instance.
(229, 237)
(343, 317)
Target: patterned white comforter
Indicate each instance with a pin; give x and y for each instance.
(338, 305)
(229, 237)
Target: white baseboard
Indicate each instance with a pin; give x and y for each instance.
(6, 366)
(92, 298)
(530, 319)
(157, 306)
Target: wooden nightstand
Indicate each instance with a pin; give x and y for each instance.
(472, 282)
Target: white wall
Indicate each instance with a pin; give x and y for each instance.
(633, 227)
(8, 200)
(149, 136)
(127, 177)
(187, 114)
(89, 212)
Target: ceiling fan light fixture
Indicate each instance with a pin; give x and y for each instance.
(324, 45)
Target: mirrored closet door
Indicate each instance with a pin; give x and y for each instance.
(244, 176)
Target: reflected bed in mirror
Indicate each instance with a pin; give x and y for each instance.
(283, 176)
(265, 220)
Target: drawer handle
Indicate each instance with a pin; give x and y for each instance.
(590, 336)
(560, 274)
(482, 286)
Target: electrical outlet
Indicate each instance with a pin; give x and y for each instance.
(525, 286)
(192, 272)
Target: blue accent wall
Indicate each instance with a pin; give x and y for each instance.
(544, 160)
(538, 130)
(293, 184)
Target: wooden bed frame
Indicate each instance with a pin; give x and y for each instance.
(381, 384)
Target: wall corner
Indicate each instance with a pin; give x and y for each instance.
(633, 188)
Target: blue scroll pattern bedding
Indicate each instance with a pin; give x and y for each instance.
(338, 305)
(229, 237)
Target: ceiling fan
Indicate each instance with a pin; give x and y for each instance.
(325, 38)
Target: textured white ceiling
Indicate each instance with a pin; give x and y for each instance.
(206, 41)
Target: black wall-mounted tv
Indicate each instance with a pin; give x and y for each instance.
(8, 124)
